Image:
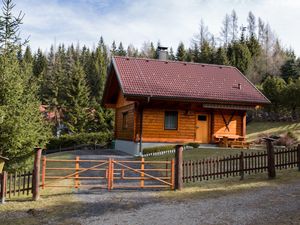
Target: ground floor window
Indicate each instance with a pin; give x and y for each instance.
(171, 120)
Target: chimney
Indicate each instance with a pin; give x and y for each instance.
(162, 53)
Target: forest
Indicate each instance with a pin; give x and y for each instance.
(66, 83)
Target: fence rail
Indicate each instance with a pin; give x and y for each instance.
(238, 165)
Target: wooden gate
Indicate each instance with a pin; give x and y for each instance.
(109, 174)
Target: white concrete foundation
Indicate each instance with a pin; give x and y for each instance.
(133, 148)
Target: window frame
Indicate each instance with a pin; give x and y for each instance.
(177, 119)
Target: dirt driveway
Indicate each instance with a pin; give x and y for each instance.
(267, 205)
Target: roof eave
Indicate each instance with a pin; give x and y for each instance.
(200, 100)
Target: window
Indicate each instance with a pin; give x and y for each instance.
(171, 120)
(201, 118)
(125, 124)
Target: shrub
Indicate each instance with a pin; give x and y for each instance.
(158, 149)
(287, 139)
(77, 139)
(193, 144)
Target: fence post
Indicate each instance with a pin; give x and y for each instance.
(178, 167)
(43, 172)
(3, 180)
(77, 170)
(142, 172)
(298, 156)
(271, 158)
(36, 174)
(242, 172)
(109, 177)
(172, 174)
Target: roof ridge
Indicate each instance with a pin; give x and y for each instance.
(173, 61)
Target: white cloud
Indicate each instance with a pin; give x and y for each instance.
(132, 21)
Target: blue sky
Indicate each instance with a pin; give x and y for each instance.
(134, 22)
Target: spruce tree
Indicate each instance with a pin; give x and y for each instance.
(121, 51)
(221, 57)
(181, 52)
(76, 97)
(21, 125)
(206, 53)
(39, 63)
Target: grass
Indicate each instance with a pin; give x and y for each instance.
(217, 188)
(256, 129)
(203, 153)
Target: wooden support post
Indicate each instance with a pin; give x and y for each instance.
(244, 121)
(173, 174)
(142, 172)
(109, 175)
(271, 158)
(77, 170)
(36, 174)
(3, 180)
(298, 156)
(242, 172)
(178, 167)
(43, 172)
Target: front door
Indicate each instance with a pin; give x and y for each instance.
(202, 128)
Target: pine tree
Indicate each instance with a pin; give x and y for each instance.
(196, 53)
(113, 49)
(39, 63)
(221, 57)
(21, 125)
(181, 52)
(77, 97)
(171, 54)
(121, 51)
(206, 53)
(27, 57)
(239, 56)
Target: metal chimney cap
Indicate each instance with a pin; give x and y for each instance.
(162, 48)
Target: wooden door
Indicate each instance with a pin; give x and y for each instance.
(202, 128)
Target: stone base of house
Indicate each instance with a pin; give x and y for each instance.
(133, 148)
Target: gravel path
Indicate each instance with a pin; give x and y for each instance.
(272, 205)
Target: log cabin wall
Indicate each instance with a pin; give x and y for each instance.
(123, 109)
(236, 125)
(154, 126)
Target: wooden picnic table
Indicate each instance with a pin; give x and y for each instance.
(229, 140)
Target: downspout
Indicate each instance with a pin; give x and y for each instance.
(141, 130)
(141, 125)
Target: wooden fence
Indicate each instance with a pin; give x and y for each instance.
(15, 184)
(238, 165)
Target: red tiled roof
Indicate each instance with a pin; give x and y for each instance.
(181, 80)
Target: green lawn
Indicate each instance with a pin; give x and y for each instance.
(203, 153)
(256, 129)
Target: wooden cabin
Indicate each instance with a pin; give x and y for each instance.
(159, 102)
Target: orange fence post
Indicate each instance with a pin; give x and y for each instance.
(77, 170)
(172, 174)
(142, 170)
(43, 172)
(112, 174)
(109, 175)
